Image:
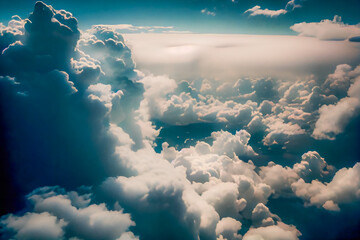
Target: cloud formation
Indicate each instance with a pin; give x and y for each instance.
(327, 29)
(258, 11)
(208, 12)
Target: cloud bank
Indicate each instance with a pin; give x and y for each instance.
(229, 57)
(328, 29)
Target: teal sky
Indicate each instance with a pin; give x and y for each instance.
(185, 15)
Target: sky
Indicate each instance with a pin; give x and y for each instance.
(189, 120)
(220, 16)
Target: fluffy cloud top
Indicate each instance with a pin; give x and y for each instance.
(58, 214)
(334, 118)
(327, 29)
(344, 188)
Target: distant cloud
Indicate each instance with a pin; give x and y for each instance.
(177, 32)
(78, 113)
(129, 28)
(290, 6)
(189, 56)
(265, 12)
(327, 29)
(208, 12)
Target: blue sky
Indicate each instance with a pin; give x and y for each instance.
(185, 15)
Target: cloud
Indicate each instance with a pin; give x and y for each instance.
(312, 166)
(290, 6)
(194, 56)
(327, 29)
(35, 226)
(334, 118)
(280, 132)
(343, 188)
(129, 28)
(283, 113)
(207, 12)
(43, 70)
(227, 228)
(256, 10)
(281, 179)
(272, 232)
(59, 214)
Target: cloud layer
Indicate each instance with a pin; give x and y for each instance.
(229, 57)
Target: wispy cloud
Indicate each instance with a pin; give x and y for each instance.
(327, 29)
(266, 12)
(290, 6)
(208, 12)
(135, 29)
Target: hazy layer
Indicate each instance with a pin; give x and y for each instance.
(189, 56)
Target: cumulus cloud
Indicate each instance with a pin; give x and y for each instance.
(327, 29)
(129, 28)
(59, 214)
(256, 10)
(343, 188)
(290, 6)
(334, 118)
(43, 70)
(227, 228)
(272, 232)
(208, 12)
(281, 179)
(35, 226)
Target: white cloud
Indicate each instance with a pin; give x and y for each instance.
(279, 178)
(283, 232)
(224, 198)
(56, 214)
(129, 28)
(194, 56)
(327, 29)
(208, 12)
(256, 10)
(334, 118)
(290, 6)
(343, 188)
(312, 166)
(280, 132)
(227, 228)
(35, 226)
